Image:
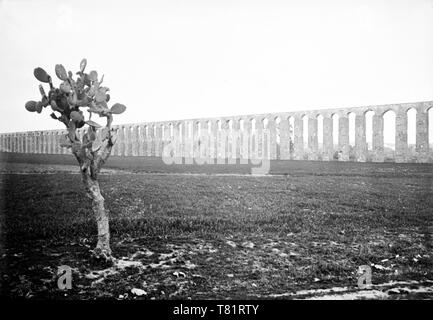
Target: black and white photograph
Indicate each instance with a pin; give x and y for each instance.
(234, 152)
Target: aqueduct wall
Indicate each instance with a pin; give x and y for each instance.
(258, 136)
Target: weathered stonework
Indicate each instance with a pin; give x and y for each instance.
(205, 139)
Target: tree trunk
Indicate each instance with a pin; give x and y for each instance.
(102, 220)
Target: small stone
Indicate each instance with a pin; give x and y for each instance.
(138, 292)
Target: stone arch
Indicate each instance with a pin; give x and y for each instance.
(265, 122)
(230, 124)
(253, 124)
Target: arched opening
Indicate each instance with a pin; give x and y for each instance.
(352, 118)
(265, 122)
(320, 131)
(241, 124)
(253, 125)
(411, 128)
(162, 132)
(209, 127)
(305, 130)
(230, 124)
(369, 129)
(335, 129)
(219, 125)
(389, 130)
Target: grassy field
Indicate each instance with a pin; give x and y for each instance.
(299, 233)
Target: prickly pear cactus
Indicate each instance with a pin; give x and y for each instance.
(71, 98)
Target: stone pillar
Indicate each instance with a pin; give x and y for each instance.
(245, 141)
(224, 141)
(312, 138)
(128, 139)
(236, 139)
(44, 142)
(164, 138)
(142, 141)
(214, 140)
(273, 147)
(177, 141)
(401, 148)
(14, 142)
(10, 142)
(135, 141)
(37, 138)
(343, 137)
(121, 141)
(328, 139)
(299, 137)
(51, 141)
(259, 154)
(422, 147)
(24, 142)
(284, 139)
(158, 140)
(253, 144)
(56, 142)
(115, 150)
(152, 143)
(378, 155)
(184, 138)
(18, 135)
(360, 136)
(30, 142)
(147, 132)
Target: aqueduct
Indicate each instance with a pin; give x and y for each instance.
(345, 134)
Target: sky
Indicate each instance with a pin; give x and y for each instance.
(168, 60)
